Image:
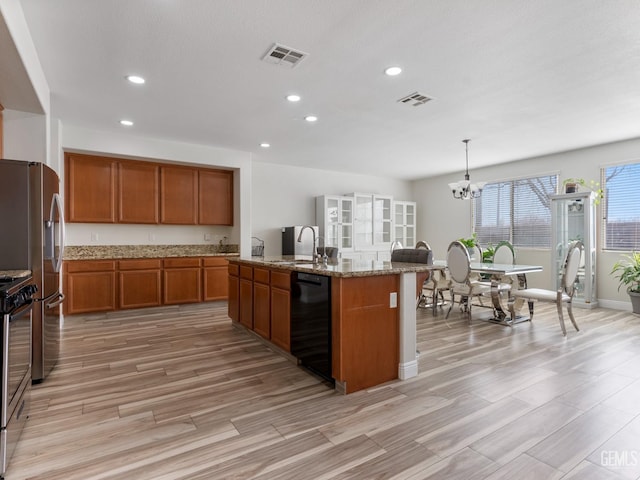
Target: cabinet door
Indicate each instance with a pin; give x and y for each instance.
(215, 197)
(382, 220)
(178, 195)
(261, 310)
(182, 285)
(363, 221)
(90, 188)
(138, 197)
(246, 303)
(281, 309)
(216, 284)
(139, 288)
(281, 318)
(233, 307)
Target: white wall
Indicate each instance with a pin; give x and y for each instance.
(285, 196)
(441, 218)
(24, 136)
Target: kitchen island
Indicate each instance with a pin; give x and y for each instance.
(373, 312)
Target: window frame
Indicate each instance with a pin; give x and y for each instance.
(605, 204)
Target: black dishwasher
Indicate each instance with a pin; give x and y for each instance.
(311, 322)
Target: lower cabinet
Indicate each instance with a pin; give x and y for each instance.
(281, 309)
(105, 285)
(90, 286)
(182, 281)
(139, 283)
(260, 299)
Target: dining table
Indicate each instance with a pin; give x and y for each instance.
(496, 273)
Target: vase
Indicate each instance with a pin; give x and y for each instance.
(635, 301)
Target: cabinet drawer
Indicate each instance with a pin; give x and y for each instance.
(141, 264)
(181, 262)
(246, 272)
(234, 269)
(214, 261)
(261, 275)
(90, 266)
(281, 280)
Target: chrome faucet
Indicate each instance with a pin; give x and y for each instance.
(314, 255)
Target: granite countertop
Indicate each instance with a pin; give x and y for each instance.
(107, 252)
(14, 273)
(336, 268)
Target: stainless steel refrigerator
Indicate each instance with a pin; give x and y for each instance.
(32, 238)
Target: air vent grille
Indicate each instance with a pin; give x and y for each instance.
(284, 56)
(415, 99)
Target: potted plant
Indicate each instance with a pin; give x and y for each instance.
(628, 272)
(571, 185)
(469, 242)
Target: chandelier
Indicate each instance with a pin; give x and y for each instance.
(464, 189)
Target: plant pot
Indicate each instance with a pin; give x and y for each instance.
(571, 188)
(635, 301)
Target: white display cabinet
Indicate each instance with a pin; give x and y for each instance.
(372, 221)
(334, 216)
(404, 220)
(573, 218)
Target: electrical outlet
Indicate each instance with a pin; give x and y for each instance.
(152, 237)
(393, 300)
(207, 237)
(94, 237)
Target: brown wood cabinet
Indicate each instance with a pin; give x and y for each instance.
(90, 286)
(246, 297)
(281, 309)
(365, 331)
(215, 197)
(182, 281)
(261, 303)
(233, 305)
(139, 283)
(111, 190)
(214, 273)
(138, 192)
(90, 193)
(178, 195)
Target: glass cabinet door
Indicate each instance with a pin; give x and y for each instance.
(573, 218)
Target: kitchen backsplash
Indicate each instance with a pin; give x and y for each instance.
(99, 252)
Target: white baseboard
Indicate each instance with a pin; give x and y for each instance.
(408, 370)
(615, 305)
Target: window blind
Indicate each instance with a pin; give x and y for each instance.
(517, 211)
(622, 212)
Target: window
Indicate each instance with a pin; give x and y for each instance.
(621, 200)
(517, 211)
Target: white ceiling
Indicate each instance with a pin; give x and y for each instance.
(521, 78)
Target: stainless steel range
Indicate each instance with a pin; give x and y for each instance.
(16, 305)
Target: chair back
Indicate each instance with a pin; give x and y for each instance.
(423, 244)
(571, 266)
(458, 262)
(504, 254)
(412, 255)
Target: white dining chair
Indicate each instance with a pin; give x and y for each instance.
(459, 266)
(563, 295)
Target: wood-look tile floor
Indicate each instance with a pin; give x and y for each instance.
(179, 393)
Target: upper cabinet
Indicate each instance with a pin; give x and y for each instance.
(179, 195)
(90, 188)
(138, 192)
(334, 216)
(405, 223)
(215, 200)
(109, 190)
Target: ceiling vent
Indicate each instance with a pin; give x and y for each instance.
(284, 56)
(415, 99)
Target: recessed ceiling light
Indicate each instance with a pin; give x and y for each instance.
(293, 98)
(126, 123)
(135, 79)
(265, 145)
(393, 71)
(311, 118)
